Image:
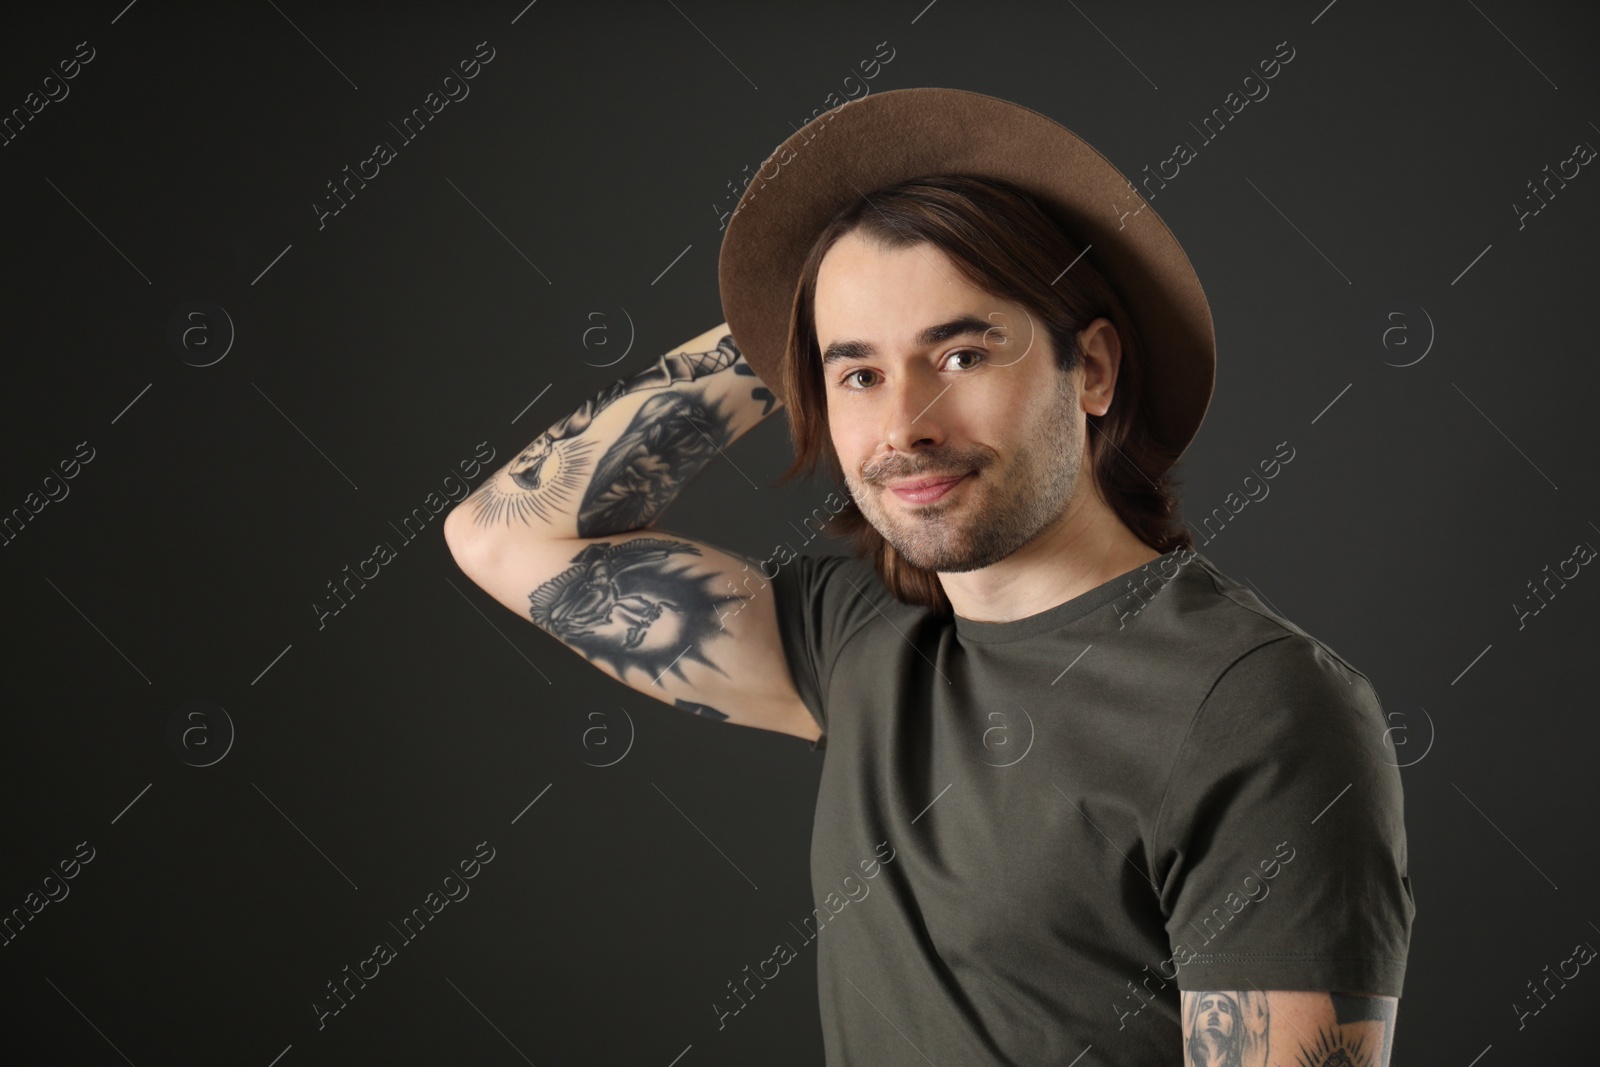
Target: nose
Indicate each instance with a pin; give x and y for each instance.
(914, 415)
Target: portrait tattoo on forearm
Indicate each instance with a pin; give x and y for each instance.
(633, 606)
(670, 439)
(1234, 1029)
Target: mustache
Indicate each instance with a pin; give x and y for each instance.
(930, 467)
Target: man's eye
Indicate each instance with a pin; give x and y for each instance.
(978, 356)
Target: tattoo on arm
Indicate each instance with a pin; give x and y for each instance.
(760, 392)
(1349, 1008)
(670, 439)
(1222, 1029)
(544, 476)
(1235, 1029)
(634, 604)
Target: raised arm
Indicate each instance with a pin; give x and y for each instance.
(564, 535)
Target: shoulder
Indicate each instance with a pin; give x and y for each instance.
(829, 598)
(1193, 614)
(1288, 727)
(1293, 669)
(1197, 635)
(1284, 720)
(1237, 606)
(841, 584)
(1292, 701)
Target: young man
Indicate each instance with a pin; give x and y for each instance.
(1086, 799)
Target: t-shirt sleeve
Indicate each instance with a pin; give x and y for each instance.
(1281, 845)
(822, 601)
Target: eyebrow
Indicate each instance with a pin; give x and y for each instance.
(960, 326)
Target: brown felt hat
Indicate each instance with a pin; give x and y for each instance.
(867, 144)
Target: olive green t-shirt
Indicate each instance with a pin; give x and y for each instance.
(1030, 835)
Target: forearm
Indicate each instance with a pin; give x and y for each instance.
(616, 462)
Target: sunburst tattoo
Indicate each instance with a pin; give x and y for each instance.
(624, 604)
(539, 483)
(663, 447)
(1334, 1049)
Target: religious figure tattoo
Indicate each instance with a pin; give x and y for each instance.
(1226, 1029)
(1233, 1029)
(669, 440)
(634, 605)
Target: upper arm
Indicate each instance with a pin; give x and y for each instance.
(675, 619)
(1255, 1028)
(1283, 860)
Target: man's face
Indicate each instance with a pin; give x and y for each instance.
(989, 403)
(1217, 1016)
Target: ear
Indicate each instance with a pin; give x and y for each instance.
(1102, 358)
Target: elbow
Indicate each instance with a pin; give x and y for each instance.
(465, 539)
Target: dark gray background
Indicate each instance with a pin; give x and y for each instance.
(597, 146)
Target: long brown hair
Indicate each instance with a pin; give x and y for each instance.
(1003, 242)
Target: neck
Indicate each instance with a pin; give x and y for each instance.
(1087, 547)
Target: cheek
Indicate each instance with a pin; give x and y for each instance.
(992, 408)
(848, 446)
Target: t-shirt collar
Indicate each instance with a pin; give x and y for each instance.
(1068, 610)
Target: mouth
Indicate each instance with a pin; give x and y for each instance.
(927, 490)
